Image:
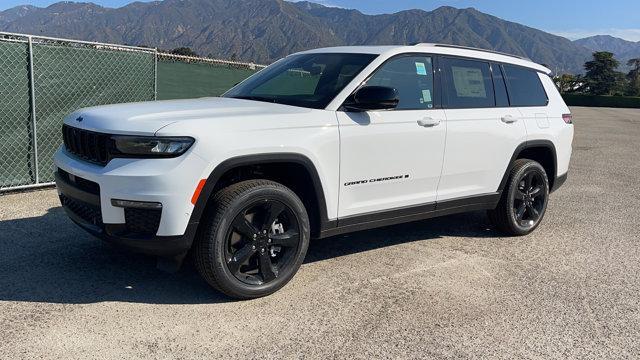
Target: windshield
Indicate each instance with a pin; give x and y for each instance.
(306, 80)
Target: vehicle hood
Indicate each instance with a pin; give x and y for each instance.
(146, 118)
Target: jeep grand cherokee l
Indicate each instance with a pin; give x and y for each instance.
(320, 143)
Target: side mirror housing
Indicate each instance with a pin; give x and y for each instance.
(372, 98)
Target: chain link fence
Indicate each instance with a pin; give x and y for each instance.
(186, 77)
(44, 79)
(17, 165)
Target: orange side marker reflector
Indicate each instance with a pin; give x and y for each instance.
(196, 194)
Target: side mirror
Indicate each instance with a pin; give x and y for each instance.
(373, 98)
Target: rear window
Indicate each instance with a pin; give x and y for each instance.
(525, 88)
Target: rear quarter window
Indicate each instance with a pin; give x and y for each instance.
(525, 87)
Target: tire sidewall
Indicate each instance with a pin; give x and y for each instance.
(226, 218)
(513, 186)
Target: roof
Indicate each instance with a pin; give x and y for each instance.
(444, 49)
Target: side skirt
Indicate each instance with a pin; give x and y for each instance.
(410, 213)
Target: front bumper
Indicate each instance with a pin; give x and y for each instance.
(86, 192)
(559, 181)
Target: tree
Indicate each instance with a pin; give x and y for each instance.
(568, 83)
(633, 88)
(601, 77)
(184, 51)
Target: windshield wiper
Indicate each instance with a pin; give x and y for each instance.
(256, 98)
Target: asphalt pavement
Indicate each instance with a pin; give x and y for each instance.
(442, 288)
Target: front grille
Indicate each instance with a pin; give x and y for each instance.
(83, 210)
(87, 145)
(142, 221)
(80, 183)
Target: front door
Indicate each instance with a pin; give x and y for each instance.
(391, 159)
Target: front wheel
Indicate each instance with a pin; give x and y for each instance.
(254, 239)
(524, 200)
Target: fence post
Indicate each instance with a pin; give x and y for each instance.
(155, 77)
(34, 134)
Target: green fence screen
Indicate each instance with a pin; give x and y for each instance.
(17, 165)
(181, 80)
(69, 78)
(65, 75)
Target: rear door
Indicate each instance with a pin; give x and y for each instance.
(392, 158)
(482, 129)
(527, 93)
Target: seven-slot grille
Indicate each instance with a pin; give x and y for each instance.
(88, 145)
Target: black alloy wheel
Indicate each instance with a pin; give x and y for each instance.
(262, 242)
(530, 199)
(524, 199)
(253, 239)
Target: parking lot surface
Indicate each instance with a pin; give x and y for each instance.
(441, 288)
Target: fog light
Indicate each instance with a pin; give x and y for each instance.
(136, 204)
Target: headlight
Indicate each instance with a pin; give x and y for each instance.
(151, 146)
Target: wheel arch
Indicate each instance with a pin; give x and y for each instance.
(542, 151)
(306, 183)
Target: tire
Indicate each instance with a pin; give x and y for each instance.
(524, 199)
(234, 237)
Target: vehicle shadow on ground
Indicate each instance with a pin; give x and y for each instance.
(49, 259)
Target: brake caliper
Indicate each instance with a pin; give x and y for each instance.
(276, 229)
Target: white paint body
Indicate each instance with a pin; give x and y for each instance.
(466, 154)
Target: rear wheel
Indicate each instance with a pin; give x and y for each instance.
(524, 200)
(254, 239)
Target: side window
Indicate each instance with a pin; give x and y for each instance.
(525, 88)
(411, 76)
(502, 99)
(467, 84)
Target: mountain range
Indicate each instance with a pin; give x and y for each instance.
(265, 30)
(622, 49)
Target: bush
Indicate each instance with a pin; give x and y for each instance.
(185, 51)
(601, 101)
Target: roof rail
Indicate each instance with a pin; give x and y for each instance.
(476, 49)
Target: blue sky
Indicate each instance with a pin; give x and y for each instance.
(570, 18)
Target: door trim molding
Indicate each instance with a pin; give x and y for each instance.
(410, 213)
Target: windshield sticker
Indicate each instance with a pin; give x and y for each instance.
(421, 69)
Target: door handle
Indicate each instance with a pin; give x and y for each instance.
(508, 119)
(428, 122)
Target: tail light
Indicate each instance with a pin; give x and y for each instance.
(568, 118)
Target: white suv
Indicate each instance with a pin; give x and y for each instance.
(320, 143)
